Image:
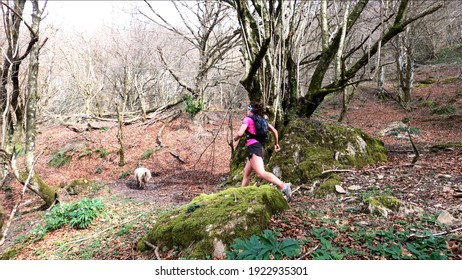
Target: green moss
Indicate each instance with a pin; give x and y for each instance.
(9, 254)
(378, 205)
(385, 200)
(46, 192)
(449, 80)
(78, 185)
(428, 81)
(309, 147)
(326, 188)
(225, 216)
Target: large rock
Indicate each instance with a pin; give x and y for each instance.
(310, 147)
(78, 186)
(383, 205)
(209, 223)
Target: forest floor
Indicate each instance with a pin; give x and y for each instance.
(194, 159)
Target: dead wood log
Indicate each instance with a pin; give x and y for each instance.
(177, 156)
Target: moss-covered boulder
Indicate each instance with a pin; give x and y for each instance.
(78, 186)
(209, 223)
(310, 147)
(327, 187)
(383, 205)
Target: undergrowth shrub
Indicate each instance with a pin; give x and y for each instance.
(263, 247)
(102, 152)
(147, 154)
(444, 110)
(326, 250)
(124, 174)
(60, 159)
(193, 107)
(78, 215)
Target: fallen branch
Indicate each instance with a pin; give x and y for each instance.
(296, 190)
(337, 170)
(303, 256)
(177, 156)
(156, 249)
(436, 234)
(414, 148)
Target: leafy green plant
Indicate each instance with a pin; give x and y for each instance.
(85, 153)
(263, 247)
(77, 214)
(444, 110)
(102, 152)
(394, 244)
(147, 154)
(326, 250)
(429, 247)
(193, 107)
(60, 159)
(86, 212)
(124, 230)
(124, 174)
(98, 170)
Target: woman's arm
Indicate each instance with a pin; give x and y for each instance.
(241, 131)
(276, 137)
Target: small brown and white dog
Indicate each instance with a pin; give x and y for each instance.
(142, 176)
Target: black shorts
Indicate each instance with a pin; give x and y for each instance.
(256, 149)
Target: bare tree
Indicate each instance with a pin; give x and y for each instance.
(19, 118)
(207, 28)
(320, 64)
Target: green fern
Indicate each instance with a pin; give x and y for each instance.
(263, 247)
(193, 107)
(60, 159)
(77, 214)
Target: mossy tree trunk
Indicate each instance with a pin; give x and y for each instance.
(12, 104)
(120, 136)
(17, 106)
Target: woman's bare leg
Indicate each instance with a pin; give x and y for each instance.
(258, 166)
(246, 174)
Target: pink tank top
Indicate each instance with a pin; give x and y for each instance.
(250, 128)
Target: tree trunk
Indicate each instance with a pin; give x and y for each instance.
(381, 83)
(17, 118)
(120, 136)
(405, 66)
(36, 184)
(347, 95)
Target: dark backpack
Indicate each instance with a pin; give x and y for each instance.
(261, 125)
